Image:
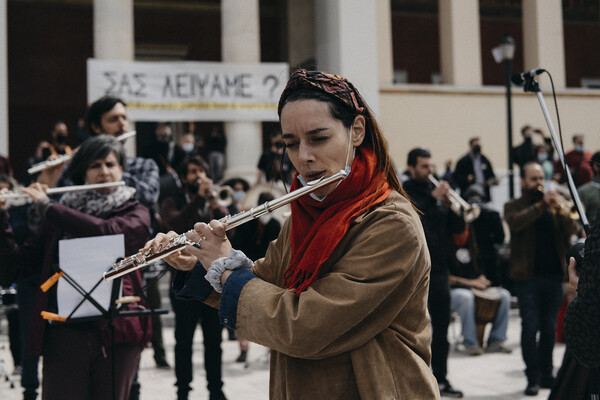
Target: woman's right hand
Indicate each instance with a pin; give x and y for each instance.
(181, 260)
(36, 191)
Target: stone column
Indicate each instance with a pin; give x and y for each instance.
(3, 80)
(460, 42)
(114, 38)
(241, 43)
(301, 33)
(543, 39)
(384, 41)
(347, 44)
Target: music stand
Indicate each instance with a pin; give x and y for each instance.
(113, 305)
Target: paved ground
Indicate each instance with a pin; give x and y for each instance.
(490, 376)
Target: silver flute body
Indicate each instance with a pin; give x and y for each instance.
(62, 189)
(179, 242)
(41, 166)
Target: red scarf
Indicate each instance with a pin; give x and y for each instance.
(317, 227)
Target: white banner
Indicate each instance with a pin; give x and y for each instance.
(189, 90)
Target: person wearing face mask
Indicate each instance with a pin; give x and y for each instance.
(542, 156)
(540, 232)
(194, 202)
(526, 151)
(216, 145)
(78, 357)
(578, 161)
(340, 297)
(475, 168)
(59, 136)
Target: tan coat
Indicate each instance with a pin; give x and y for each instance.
(362, 330)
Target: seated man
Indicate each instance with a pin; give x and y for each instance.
(473, 268)
(462, 301)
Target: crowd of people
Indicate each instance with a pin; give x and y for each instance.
(380, 264)
(169, 189)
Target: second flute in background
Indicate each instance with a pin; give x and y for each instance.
(35, 168)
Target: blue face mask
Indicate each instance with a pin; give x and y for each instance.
(188, 147)
(542, 156)
(238, 195)
(579, 148)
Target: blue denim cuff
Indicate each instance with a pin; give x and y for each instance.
(231, 295)
(192, 285)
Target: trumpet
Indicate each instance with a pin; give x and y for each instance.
(41, 166)
(222, 195)
(142, 259)
(16, 196)
(470, 211)
(562, 201)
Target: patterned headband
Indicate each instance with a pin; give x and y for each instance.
(333, 85)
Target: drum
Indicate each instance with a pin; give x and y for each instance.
(487, 302)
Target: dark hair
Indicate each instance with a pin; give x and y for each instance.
(575, 136)
(182, 168)
(525, 128)
(263, 197)
(97, 109)
(473, 139)
(6, 178)
(414, 154)
(373, 136)
(231, 182)
(94, 148)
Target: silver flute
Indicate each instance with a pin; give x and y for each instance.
(62, 189)
(179, 242)
(41, 166)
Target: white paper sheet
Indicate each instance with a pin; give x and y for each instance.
(85, 260)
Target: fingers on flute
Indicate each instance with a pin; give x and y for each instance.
(217, 228)
(202, 229)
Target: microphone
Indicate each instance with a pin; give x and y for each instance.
(518, 79)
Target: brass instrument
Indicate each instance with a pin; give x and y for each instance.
(562, 201)
(221, 195)
(470, 211)
(41, 166)
(179, 242)
(16, 196)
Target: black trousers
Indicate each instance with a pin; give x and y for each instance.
(187, 316)
(439, 310)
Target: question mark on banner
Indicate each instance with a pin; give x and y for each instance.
(275, 82)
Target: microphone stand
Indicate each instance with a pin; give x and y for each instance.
(531, 85)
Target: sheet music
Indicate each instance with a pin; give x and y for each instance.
(85, 260)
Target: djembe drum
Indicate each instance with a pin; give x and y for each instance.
(487, 302)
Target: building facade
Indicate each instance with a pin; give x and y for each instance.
(424, 66)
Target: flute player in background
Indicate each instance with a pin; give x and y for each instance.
(77, 357)
(341, 295)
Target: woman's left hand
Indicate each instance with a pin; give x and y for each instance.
(36, 191)
(212, 240)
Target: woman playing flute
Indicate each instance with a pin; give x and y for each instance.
(341, 295)
(77, 357)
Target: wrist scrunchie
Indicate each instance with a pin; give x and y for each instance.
(236, 260)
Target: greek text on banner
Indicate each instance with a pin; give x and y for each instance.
(189, 90)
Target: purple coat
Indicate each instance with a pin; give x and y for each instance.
(131, 219)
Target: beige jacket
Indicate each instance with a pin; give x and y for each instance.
(360, 331)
